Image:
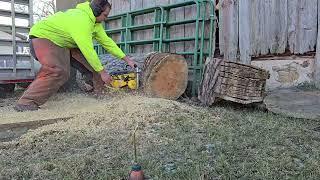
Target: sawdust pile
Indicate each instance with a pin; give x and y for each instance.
(96, 142)
(59, 106)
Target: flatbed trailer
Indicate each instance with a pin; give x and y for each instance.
(16, 63)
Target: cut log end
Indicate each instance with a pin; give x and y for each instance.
(166, 76)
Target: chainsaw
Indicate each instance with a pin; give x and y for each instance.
(123, 79)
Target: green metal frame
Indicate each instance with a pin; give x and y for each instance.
(161, 38)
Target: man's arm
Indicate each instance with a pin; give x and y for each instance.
(83, 39)
(108, 44)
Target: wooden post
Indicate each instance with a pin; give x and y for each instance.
(244, 29)
(135, 5)
(148, 19)
(317, 59)
(229, 29)
(302, 21)
(178, 30)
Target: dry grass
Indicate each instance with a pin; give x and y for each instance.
(176, 141)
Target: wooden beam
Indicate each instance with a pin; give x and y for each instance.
(244, 29)
(317, 59)
(148, 19)
(135, 5)
(302, 29)
(179, 30)
(229, 29)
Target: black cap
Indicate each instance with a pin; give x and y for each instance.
(98, 6)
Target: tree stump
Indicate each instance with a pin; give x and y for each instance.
(232, 81)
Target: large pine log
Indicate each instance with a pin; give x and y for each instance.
(162, 75)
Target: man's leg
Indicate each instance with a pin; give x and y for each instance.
(53, 74)
(98, 84)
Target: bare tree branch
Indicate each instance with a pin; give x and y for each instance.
(43, 8)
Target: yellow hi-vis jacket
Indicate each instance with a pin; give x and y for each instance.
(76, 28)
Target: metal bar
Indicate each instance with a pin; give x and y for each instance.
(182, 39)
(133, 28)
(167, 31)
(24, 74)
(115, 31)
(30, 24)
(123, 31)
(140, 42)
(144, 26)
(14, 46)
(202, 37)
(158, 29)
(20, 29)
(7, 42)
(7, 13)
(21, 56)
(175, 23)
(161, 29)
(128, 34)
(194, 67)
(195, 57)
(212, 30)
(22, 2)
(154, 30)
(30, 13)
(190, 53)
(133, 13)
(186, 3)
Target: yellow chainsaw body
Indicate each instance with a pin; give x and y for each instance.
(124, 80)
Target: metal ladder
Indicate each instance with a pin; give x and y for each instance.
(9, 71)
(161, 33)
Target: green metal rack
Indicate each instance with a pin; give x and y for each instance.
(161, 33)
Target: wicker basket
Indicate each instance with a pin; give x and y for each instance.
(232, 81)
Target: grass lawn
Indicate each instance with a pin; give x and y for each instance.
(175, 141)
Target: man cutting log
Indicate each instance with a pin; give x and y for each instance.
(52, 40)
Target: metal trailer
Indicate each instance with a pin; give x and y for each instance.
(16, 64)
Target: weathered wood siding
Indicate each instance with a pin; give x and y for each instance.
(229, 29)
(317, 60)
(267, 27)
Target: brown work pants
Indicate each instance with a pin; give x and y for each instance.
(54, 72)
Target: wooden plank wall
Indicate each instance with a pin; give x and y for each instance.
(266, 27)
(303, 25)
